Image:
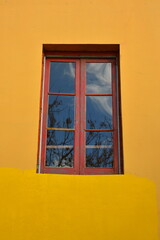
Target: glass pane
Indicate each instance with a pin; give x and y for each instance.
(99, 157)
(99, 112)
(61, 111)
(59, 157)
(62, 77)
(99, 149)
(99, 139)
(59, 152)
(98, 78)
(60, 138)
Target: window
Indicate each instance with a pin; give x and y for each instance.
(80, 125)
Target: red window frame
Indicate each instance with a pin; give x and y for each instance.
(80, 60)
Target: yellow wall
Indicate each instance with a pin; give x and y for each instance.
(56, 207)
(128, 202)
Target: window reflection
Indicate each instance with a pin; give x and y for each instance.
(98, 78)
(59, 152)
(62, 77)
(99, 157)
(61, 111)
(99, 149)
(99, 144)
(99, 139)
(59, 157)
(60, 137)
(99, 112)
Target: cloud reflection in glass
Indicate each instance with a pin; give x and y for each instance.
(99, 112)
(98, 78)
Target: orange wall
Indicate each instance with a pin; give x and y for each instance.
(135, 25)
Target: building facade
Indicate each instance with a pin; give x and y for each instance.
(58, 206)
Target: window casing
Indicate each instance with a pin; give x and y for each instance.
(80, 129)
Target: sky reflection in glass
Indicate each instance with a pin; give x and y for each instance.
(56, 138)
(99, 139)
(98, 78)
(99, 112)
(62, 77)
(61, 111)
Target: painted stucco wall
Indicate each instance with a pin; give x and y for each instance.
(37, 206)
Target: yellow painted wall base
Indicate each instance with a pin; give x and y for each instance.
(64, 207)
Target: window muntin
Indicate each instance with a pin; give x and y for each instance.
(80, 112)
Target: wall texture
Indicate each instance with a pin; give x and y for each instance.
(38, 206)
(76, 207)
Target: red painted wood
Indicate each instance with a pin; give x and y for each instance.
(83, 116)
(44, 168)
(98, 94)
(98, 130)
(115, 131)
(66, 94)
(98, 171)
(60, 170)
(77, 118)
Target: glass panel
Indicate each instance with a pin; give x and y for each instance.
(59, 157)
(99, 112)
(62, 77)
(57, 138)
(99, 149)
(59, 152)
(101, 139)
(61, 111)
(98, 78)
(99, 157)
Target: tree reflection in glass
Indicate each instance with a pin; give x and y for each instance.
(61, 111)
(59, 157)
(99, 149)
(59, 152)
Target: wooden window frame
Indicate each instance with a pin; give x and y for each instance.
(79, 141)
